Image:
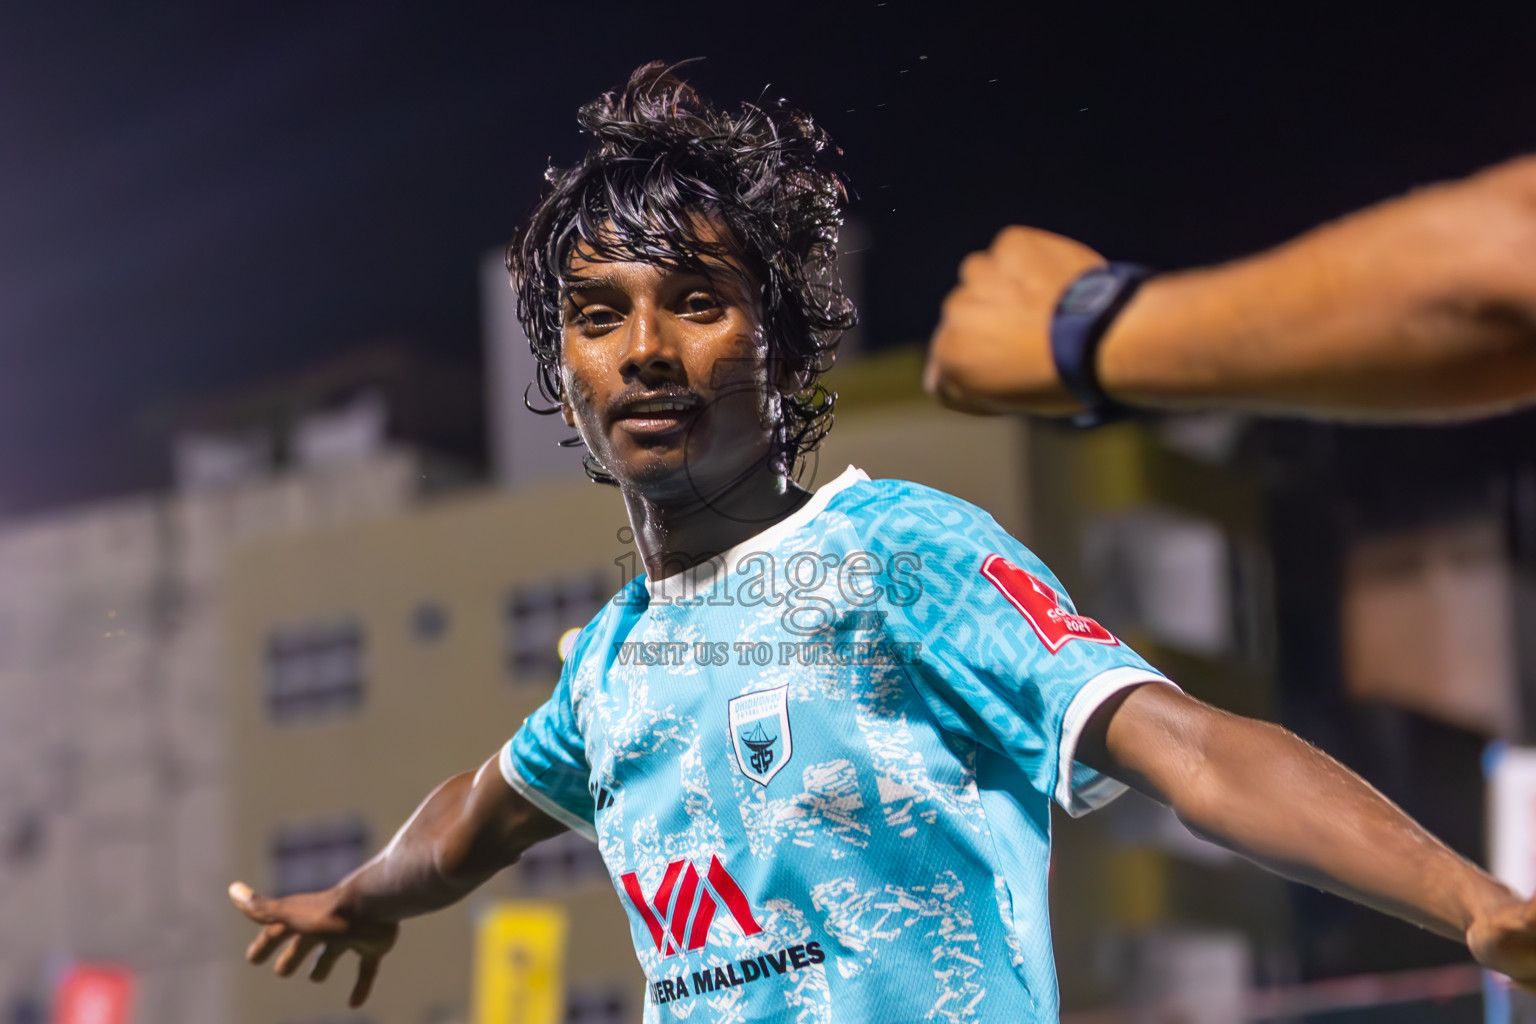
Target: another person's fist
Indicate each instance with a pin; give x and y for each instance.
(1504, 939)
(992, 349)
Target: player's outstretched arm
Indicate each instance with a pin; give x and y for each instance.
(1260, 791)
(1422, 306)
(468, 829)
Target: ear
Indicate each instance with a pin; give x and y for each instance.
(563, 383)
(786, 380)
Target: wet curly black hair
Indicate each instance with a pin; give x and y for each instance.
(663, 155)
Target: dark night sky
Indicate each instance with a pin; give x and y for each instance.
(196, 197)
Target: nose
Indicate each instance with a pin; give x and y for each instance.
(648, 351)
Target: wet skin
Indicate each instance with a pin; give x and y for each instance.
(667, 379)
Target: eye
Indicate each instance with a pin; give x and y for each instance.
(595, 317)
(702, 306)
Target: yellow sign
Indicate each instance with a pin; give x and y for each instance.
(520, 965)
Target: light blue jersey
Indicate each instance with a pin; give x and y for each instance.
(819, 767)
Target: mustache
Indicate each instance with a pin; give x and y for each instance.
(639, 393)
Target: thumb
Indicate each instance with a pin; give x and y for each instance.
(251, 905)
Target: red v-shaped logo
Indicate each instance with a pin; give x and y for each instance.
(675, 901)
(1041, 606)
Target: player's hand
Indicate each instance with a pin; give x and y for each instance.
(992, 349)
(1504, 940)
(311, 920)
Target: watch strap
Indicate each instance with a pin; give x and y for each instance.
(1083, 316)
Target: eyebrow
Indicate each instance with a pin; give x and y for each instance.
(589, 284)
(604, 282)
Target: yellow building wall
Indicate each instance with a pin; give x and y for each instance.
(431, 709)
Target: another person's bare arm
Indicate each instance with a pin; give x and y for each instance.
(1262, 792)
(1423, 306)
(471, 827)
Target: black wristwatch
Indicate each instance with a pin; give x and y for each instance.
(1082, 318)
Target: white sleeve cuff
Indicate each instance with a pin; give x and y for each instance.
(1094, 791)
(535, 796)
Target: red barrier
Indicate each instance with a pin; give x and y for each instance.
(95, 994)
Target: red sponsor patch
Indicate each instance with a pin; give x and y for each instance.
(670, 922)
(1041, 606)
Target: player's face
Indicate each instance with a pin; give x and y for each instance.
(665, 375)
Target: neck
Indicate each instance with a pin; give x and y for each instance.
(675, 535)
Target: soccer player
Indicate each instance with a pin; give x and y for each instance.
(1423, 307)
(817, 742)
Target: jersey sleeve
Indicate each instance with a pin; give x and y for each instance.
(994, 645)
(546, 760)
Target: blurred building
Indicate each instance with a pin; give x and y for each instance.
(335, 413)
(1364, 587)
(1161, 540)
(114, 738)
(114, 768)
(371, 663)
(524, 446)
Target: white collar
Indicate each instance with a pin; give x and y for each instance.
(701, 577)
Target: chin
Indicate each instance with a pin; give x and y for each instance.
(654, 473)
(666, 472)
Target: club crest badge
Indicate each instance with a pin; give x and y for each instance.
(760, 734)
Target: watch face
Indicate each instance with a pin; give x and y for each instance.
(1089, 293)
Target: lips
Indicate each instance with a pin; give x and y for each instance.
(656, 413)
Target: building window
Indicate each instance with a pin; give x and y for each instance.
(596, 1006)
(315, 856)
(24, 1009)
(538, 614)
(314, 670)
(429, 621)
(565, 860)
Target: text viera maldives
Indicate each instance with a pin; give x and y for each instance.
(737, 972)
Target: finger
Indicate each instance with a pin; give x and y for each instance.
(294, 955)
(268, 939)
(251, 905)
(976, 265)
(960, 310)
(933, 374)
(954, 395)
(1015, 236)
(327, 961)
(367, 970)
